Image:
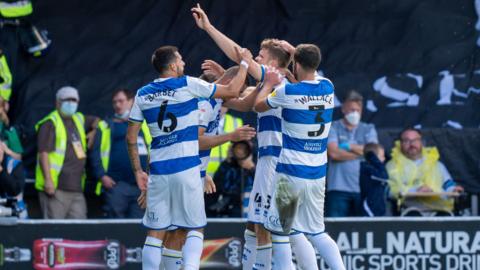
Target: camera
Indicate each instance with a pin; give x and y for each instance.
(8, 207)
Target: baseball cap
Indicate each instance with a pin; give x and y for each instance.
(67, 92)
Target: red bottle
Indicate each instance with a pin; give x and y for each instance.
(70, 254)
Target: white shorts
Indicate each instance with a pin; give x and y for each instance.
(260, 197)
(305, 215)
(175, 201)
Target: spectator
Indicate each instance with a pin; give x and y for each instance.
(12, 147)
(415, 168)
(232, 179)
(110, 162)
(12, 176)
(373, 180)
(62, 146)
(345, 150)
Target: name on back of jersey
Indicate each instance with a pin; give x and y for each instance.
(163, 93)
(308, 98)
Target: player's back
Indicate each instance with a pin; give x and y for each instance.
(170, 108)
(307, 109)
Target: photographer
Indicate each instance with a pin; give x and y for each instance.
(233, 178)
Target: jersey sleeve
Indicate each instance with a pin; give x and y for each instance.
(136, 114)
(277, 97)
(200, 88)
(205, 114)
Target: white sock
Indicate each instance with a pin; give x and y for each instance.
(192, 250)
(171, 259)
(151, 253)
(328, 250)
(304, 252)
(282, 252)
(263, 260)
(249, 250)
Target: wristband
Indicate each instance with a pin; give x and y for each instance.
(244, 63)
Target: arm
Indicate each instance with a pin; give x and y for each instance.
(232, 90)
(272, 78)
(240, 134)
(132, 135)
(244, 104)
(227, 45)
(337, 154)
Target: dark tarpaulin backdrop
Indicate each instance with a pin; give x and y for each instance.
(416, 62)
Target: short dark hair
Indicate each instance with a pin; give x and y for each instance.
(276, 51)
(129, 94)
(353, 96)
(409, 128)
(308, 56)
(162, 57)
(372, 147)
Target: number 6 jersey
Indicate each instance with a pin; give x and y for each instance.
(170, 108)
(307, 109)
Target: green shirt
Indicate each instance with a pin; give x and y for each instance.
(10, 136)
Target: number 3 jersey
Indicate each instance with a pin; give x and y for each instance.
(170, 108)
(307, 109)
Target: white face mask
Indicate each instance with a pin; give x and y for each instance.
(123, 115)
(353, 118)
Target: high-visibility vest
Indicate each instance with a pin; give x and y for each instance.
(6, 77)
(106, 143)
(57, 157)
(14, 9)
(219, 153)
(405, 174)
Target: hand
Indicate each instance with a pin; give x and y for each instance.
(108, 182)
(142, 180)
(424, 188)
(272, 76)
(201, 18)
(287, 47)
(5, 148)
(142, 200)
(209, 187)
(247, 163)
(458, 189)
(211, 67)
(344, 146)
(244, 133)
(244, 55)
(49, 188)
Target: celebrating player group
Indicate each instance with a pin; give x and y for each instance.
(294, 111)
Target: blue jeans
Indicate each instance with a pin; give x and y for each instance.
(343, 204)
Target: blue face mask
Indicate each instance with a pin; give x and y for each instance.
(69, 108)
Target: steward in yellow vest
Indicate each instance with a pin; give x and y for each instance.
(5, 78)
(110, 162)
(62, 147)
(415, 168)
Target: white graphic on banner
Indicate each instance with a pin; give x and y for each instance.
(400, 98)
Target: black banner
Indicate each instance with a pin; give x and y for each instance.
(381, 243)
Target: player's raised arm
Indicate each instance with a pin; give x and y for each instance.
(225, 43)
(272, 78)
(232, 90)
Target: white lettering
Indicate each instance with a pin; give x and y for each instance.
(427, 240)
(461, 242)
(395, 244)
(413, 244)
(370, 246)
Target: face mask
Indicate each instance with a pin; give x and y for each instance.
(123, 115)
(69, 108)
(353, 118)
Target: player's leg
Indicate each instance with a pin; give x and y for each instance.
(157, 218)
(188, 208)
(305, 254)
(250, 246)
(311, 221)
(152, 250)
(172, 249)
(281, 215)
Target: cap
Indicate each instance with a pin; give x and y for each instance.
(67, 92)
